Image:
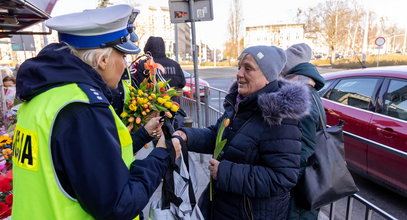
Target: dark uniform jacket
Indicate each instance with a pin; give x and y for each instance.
(261, 159)
(85, 145)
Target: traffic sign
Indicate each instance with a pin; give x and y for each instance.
(179, 11)
(380, 41)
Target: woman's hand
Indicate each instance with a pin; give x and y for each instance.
(175, 143)
(181, 134)
(213, 168)
(153, 127)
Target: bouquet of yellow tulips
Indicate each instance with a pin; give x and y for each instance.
(149, 100)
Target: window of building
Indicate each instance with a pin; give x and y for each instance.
(356, 92)
(395, 100)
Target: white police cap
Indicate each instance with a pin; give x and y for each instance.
(96, 28)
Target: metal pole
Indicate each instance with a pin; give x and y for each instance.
(198, 101)
(206, 101)
(332, 211)
(3, 103)
(404, 42)
(378, 57)
(214, 56)
(176, 42)
(349, 208)
(365, 40)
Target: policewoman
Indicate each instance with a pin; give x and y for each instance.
(73, 157)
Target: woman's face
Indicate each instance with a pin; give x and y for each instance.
(9, 83)
(249, 77)
(111, 68)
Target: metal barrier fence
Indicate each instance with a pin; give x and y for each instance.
(209, 114)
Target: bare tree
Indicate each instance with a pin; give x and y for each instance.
(234, 43)
(331, 19)
(103, 3)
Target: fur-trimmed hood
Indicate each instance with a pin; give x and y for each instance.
(291, 100)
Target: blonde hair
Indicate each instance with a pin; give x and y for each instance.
(92, 56)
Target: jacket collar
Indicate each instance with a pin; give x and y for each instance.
(278, 100)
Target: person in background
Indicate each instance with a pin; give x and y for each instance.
(156, 48)
(16, 70)
(299, 69)
(73, 156)
(9, 81)
(259, 164)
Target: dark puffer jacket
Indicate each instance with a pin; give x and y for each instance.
(260, 163)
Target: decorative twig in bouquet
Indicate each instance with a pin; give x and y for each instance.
(152, 98)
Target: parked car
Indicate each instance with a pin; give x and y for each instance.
(189, 87)
(373, 104)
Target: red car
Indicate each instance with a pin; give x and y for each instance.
(189, 87)
(373, 104)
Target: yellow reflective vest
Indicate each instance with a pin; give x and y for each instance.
(37, 192)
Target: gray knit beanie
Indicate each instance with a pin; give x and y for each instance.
(270, 59)
(296, 54)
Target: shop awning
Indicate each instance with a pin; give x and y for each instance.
(15, 15)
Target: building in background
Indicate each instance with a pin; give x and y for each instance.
(285, 35)
(319, 47)
(184, 42)
(154, 20)
(281, 35)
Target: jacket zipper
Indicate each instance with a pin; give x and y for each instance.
(235, 109)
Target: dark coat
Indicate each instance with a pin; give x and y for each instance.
(260, 163)
(310, 124)
(156, 47)
(85, 142)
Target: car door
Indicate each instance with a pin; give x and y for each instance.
(389, 127)
(351, 100)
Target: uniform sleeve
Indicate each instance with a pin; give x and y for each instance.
(140, 138)
(87, 158)
(276, 173)
(202, 140)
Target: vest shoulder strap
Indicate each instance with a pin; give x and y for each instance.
(95, 96)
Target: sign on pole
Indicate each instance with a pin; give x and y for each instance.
(192, 11)
(379, 42)
(179, 11)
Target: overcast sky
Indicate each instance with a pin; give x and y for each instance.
(255, 12)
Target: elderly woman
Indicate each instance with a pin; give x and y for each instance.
(260, 162)
(73, 157)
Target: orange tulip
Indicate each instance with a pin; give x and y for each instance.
(168, 114)
(138, 120)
